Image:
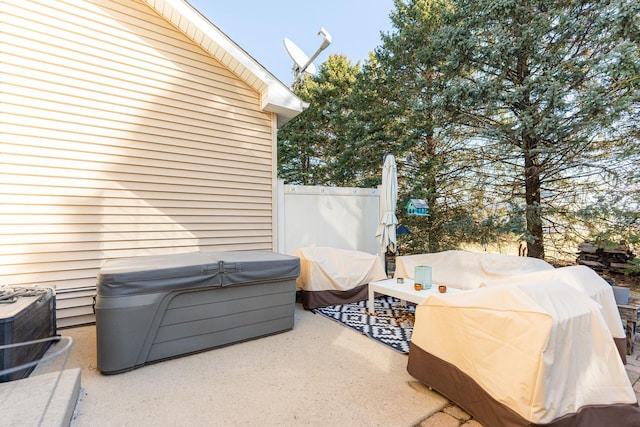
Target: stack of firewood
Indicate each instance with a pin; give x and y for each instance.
(606, 259)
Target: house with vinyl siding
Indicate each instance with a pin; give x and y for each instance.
(128, 128)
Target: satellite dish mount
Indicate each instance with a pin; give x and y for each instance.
(302, 63)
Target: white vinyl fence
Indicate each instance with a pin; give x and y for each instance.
(345, 218)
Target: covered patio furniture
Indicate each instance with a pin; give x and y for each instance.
(589, 283)
(468, 270)
(332, 276)
(521, 354)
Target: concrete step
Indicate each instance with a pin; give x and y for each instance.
(48, 396)
(23, 402)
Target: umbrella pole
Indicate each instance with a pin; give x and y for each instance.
(383, 257)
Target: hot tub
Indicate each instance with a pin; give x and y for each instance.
(158, 307)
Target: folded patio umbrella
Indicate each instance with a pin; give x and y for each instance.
(386, 233)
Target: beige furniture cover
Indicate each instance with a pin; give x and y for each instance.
(530, 353)
(588, 282)
(468, 270)
(331, 276)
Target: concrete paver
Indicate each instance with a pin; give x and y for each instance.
(457, 412)
(440, 419)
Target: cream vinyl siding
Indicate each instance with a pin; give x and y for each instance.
(120, 138)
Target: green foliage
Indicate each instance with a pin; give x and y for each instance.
(511, 118)
(311, 146)
(613, 217)
(537, 89)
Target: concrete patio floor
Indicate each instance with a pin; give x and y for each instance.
(320, 373)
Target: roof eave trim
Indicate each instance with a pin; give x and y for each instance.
(275, 96)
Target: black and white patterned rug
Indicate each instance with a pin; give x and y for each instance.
(391, 325)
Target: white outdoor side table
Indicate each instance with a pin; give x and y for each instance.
(403, 291)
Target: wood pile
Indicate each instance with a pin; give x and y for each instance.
(608, 259)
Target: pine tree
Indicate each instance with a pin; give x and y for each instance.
(538, 88)
(310, 146)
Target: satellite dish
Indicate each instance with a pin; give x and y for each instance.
(301, 63)
(300, 59)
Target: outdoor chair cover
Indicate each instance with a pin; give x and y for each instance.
(468, 270)
(520, 354)
(332, 276)
(588, 282)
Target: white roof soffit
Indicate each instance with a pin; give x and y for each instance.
(275, 96)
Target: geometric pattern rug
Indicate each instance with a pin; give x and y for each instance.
(391, 325)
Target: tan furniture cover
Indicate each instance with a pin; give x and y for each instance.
(468, 270)
(530, 353)
(589, 283)
(331, 276)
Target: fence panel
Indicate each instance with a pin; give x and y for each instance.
(345, 217)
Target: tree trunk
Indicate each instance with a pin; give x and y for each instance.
(433, 219)
(533, 213)
(535, 248)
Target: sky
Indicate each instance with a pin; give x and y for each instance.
(259, 27)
